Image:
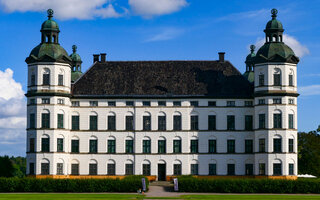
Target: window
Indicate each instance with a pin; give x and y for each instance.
(129, 103)
(146, 170)
(177, 170)
(45, 101)
(262, 102)
(212, 169)
(129, 169)
(60, 121)
(93, 122)
(146, 103)
(248, 122)
(231, 122)
(249, 169)
(162, 123)
(290, 80)
(146, 123)
(291, 169)
(231, 103)
(93, 103)
(46, 79)
(111, 169)
(31, 168)
(162, 103)
(75, 103)
(74, 169)
(129, 123)
(291, 101)
(32, 102)
(161, 146)
(212, 146)
(111, 146)
(93, 169)
(277, 169)
(33, 80)
(60, 145)
(276, 80)
(262, 169)
(176, 146)
(248, 146)
(111, 123)
(231, 169)
(277, 145)
(111, 103)
(291, 145)
(194, 123)
(31, 145)
(146, 146)
(60, 79)
(177, 123)
(45, 144)
(291, 121)
(93, 146)
(129, 146)
(248, 103)
(262, 145)
(59, 168)
(194, 169)
(75, 122)
(277, 119)
(74, 146)
(262, 121)
(194, 103)
(177, 103)
(61, 101)
(212, 103)
(261, 80)
(32, 120)
(211, 122)
(45, 168)
(194, 146)
(231, 146)
(277, 101)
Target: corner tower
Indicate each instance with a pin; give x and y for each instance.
(275, 92)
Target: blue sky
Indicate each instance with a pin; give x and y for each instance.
(152, 30)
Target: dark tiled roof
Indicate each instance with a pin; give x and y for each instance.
(163, 78)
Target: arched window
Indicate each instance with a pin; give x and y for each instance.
(146, 168)
(111, 121)
(194, 167)
(129, 167)
(177, 124)
(277, 77)
(146, 121)
(93, 121)
(162, 146)
(111, 167)
(45, 167)
(231, 167)
(46, 77)
(111, 144)
(45, 119)
(277, 119)
(45, 143)
(277, 167)
(93, 167)
(60, 167)
(129, 121)
(75, 167)
(146, 145)
(194, 121)
(177, 168)
(93, 144)
(162, 125)
(61, 78)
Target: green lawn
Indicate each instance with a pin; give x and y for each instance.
(134, 196)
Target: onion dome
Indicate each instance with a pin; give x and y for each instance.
(76, 64)
(249, 74)
(49, 50)
(274, 49)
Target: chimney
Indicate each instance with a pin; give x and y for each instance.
(103, 57)
(221, 56)
(96, 58)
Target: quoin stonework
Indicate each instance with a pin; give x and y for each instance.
(162, 118)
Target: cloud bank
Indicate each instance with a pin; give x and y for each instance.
(310, 90)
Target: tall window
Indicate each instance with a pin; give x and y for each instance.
(211, 122)
(277, 169)
(176, 146)
(32, 120)
(276, 79)
(277, 121)
(146, 123)
(161, 146)
(177, 122)
(45, 120)
(177, 170)
(75, 122)
(212, 146)
(33, 79)
(262, 169)
(262, 121)
(129, 146)
(146, 146)
(291, 126)
(74, 169)
(162, 123)
(146, 170)
(60, 145)
(262, 145)
(129, 169)
(194, 146)
(31, 168)
(129, 123)
(194, 122)
(194, 169)
(249, 146)
(290, 80)
(93, 146)
(111, 146)
(230, 122)
(93, 169)
(45, 144)
(46, 79)
(277, 145)
(60, 79)
(231, 146)
(45, 168)
(93, 122)
(59, 168)
(212, 169)
(291, 169)
(261, 80)
(60, 121)
(111, 123)
(31, 145)
(248, 122)
(231, 169)
(74, 146)
(249, 169)
(111, 169)
(291, 145)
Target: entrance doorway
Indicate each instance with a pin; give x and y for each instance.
(162, 172)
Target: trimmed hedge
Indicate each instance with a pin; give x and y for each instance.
(128, 184)
(191, 184)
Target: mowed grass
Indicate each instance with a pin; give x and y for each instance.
(134, 196)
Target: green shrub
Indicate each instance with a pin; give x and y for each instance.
(128, 184)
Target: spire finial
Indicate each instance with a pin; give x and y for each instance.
(74, 48)
(274, 13)
(50, 13)
(252, 48)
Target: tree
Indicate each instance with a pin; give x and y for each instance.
(6, 167)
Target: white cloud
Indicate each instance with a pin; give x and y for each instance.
(253, 15)
(165, 34)
(64, 9)
(310, 90)
(299, 49)
(149, 8)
